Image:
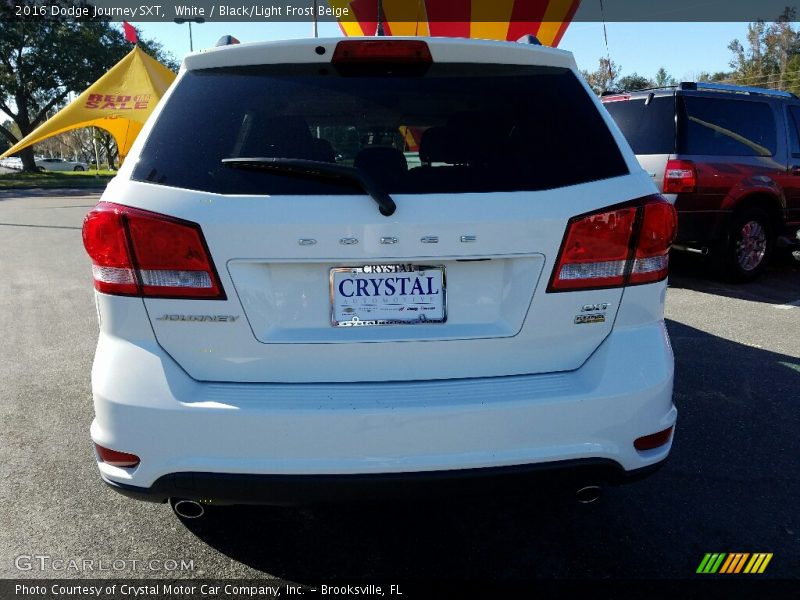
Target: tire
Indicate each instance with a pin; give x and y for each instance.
(78, 168)
(40, 169)
(749, 245)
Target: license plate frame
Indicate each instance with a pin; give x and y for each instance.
(429, 312)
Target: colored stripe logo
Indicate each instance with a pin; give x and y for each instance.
(734, 562)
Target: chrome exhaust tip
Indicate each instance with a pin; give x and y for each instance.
(187, 509)
(588, 494)
(703, 251)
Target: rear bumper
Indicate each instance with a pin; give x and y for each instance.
(253, 442)
(295, 490)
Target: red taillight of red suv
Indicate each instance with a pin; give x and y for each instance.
(135, 252)
(680, 176)
(627, 245)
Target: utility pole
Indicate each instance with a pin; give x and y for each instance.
(197, 20)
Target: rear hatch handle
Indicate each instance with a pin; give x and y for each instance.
(317, 169)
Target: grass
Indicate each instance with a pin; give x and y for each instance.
(56, 179)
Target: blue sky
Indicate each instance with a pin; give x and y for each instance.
(684, 49)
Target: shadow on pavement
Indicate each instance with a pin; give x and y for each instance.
(38, 226)
(779, 284)
(6, 194)
(730, 485)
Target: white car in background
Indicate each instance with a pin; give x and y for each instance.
(477, 301)
(11, 162)
(60, 164)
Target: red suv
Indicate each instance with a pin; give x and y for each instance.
(729, 158)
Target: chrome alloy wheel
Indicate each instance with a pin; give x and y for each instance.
(752, 246)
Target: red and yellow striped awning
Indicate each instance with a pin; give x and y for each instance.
(483, 19)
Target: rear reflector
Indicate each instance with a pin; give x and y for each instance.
(654, 440)
(621, 246)
(116, 459)
(392, 51)
(140, 253)
(680, 176)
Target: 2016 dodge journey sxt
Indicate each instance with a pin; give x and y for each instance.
(334, 269)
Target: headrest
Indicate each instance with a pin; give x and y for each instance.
(380, 160)
(444, 144)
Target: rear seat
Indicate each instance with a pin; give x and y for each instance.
(448, 148)
(287, 137)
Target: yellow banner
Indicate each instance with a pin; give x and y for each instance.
(119, 102)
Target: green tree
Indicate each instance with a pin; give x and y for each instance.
(605, 78)
(633, 82)
(663, 78)
(4, 143)
(42, 61)
(719, 76)
(767, 57)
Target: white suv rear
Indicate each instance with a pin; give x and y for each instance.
(350, 266)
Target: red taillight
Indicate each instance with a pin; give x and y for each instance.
(680, 176)
(623, 246)
(115, 458)
(394, 51)
(654, 440)
(596, 251)
(107, 244)
(659, 224)
(140, 253)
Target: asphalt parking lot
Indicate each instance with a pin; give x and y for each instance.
(731, 484)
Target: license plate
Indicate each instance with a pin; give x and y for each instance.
(388, 295)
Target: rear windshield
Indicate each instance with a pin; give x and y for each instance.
(455, 128)
(649, 127)
(724, 127)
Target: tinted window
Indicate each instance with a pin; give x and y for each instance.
(728, 127)
(794, 130)
(455, 128)
(649, 127)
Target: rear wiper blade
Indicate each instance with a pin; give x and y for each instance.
(323, 170)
